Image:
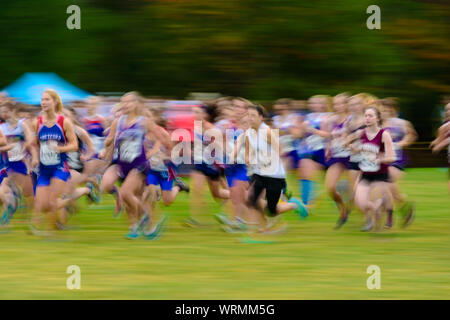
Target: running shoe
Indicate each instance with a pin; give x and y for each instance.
(8, 214)
(368, 226)
(191, 222)
(32, 230)
(145, 220)
(341, 221)
(132, 234)
(301, 209)
(183, 187)
(157, 231)
(223, 219)
(408, 210)
(93, 193)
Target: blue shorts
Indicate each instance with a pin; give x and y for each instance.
(18, 167)
(159, 178)
(46, 175)
(236, 172)
(293, 158)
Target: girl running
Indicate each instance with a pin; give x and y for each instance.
(205, 163)
(314, 132)
(377, 152)
(20, 140)
(403, 135)
(130, 165)
(338, 154)
(55, 137)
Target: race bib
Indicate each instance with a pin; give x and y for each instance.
(286, 143)
(49, 156)
(16, 153)
(98, 142)
(315, 142)
(130, 150)
(369, 162)
(338, 150)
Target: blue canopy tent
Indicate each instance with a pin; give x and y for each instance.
(30, 86)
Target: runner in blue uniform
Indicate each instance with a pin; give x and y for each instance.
(55, 137)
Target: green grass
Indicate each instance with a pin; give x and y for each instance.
(309, 261)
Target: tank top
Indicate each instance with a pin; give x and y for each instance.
(95, 129)
(48, 138)
(129, 142)
(266, 162)
(338, 149)
(16, 137)
(370, 154)
(315, 142)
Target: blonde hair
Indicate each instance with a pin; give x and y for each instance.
(328, 101)
(55, 96)
(140, 101)
(366, 98)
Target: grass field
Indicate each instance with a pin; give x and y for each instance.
(309, 261)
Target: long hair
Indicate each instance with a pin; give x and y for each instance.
(55, 96)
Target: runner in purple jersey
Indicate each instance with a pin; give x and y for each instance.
(130, 165)
(403, 135)
(337, 154)
(375, 144)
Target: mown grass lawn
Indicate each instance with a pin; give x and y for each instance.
(309, 261)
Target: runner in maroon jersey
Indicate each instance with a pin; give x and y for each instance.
(377, 151)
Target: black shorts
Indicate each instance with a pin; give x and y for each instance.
(353, 166)
(208, 171)
(369, 178)
(273, 187)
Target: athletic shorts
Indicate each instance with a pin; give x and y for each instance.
(353, 166)
(46, 175)
(208, 170)
(369, 178)
(293, 158)
(18, 167)
(317, 156)
(345, 161)
(273, 186)
(159, 178)
(236, 172)
(124, 169)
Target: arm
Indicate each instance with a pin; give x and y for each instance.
(112, 134)
(30, 140)
(86, 139)
(72, 143)
(2, 139)
(410, 136)
(389, 154)
(156, 147)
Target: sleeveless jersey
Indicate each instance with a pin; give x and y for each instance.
(370, 154)
(338, 149)
(129, 142)
(314, 142)
(264, 161)
(49, 137)
(16, 137)
(95, 129)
